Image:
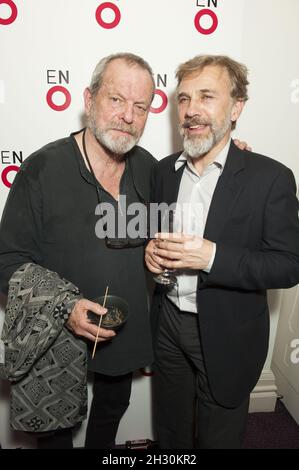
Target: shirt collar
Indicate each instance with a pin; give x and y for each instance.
(220, 159)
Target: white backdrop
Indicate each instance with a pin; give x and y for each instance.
(56, 43)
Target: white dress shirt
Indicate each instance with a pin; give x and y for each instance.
(195, 192)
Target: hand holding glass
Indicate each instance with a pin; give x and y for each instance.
(169, 225)
(184, 220)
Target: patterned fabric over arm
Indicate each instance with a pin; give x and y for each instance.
(44, 361)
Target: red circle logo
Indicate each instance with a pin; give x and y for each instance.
(198, 17)
(61, 89)
(163, 104)
(5, 172)
(14, 12)
(116, 12)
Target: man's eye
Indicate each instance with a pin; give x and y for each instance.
(208, 97)
(183, 99)
(115, 99)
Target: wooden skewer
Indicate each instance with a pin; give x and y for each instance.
(99, 325)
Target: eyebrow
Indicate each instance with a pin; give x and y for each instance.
(141, 102)
(113, 93)
(124, 98)
(202, 91)
(208, 90)
(181, 94)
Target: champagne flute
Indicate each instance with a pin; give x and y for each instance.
(169, 222)
(186, 219)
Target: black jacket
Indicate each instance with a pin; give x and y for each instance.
(253, 219)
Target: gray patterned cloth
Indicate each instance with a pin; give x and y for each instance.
(44, 361)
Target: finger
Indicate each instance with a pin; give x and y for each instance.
(169, 254)
(169, 236)
(153, 266)
(155, 270)
(100, 339)
(103, 332)
(155, 262)
(155, 259)
(150, 247)
(172, 237)
(89, 336)
(170, 246)
(239, 144)
(94, 307)
(92, 338)
(99, 315)
(242, 145)
(170, 264)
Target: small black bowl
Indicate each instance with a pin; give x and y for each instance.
(117, 312)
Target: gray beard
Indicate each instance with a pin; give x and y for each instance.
(197, 146)
(119, 145)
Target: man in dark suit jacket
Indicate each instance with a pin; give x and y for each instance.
(211, 329)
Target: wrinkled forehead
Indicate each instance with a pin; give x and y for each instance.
(123, 76)
(211, 77)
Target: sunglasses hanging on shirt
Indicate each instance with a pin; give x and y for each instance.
(110, 242)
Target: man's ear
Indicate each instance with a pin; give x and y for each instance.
(237, 110)
(87, 100)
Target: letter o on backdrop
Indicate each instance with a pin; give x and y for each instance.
(14, 12)
(199, 15)
(117, 15)
(164, 102)
(58, 107)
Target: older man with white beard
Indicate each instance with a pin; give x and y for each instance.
(211, 328)
(50, 219)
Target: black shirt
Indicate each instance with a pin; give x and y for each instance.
(49, 219)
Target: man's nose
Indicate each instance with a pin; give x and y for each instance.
(194, 108)
(128, 113)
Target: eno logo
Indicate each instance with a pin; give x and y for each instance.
(58, 89)
(200, 21)
(7, 181)
(163, 102)
(13, 12)
(104, 12)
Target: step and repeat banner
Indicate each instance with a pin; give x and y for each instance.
(48, 50)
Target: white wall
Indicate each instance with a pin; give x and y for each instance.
(286, 353)
(64, 35)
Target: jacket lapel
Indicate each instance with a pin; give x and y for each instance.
(227, 191)
(171, 189)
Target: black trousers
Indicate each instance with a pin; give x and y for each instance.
(186, 414)
(111, 398)
(61, 439)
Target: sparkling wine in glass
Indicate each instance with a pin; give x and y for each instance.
(167, 277)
